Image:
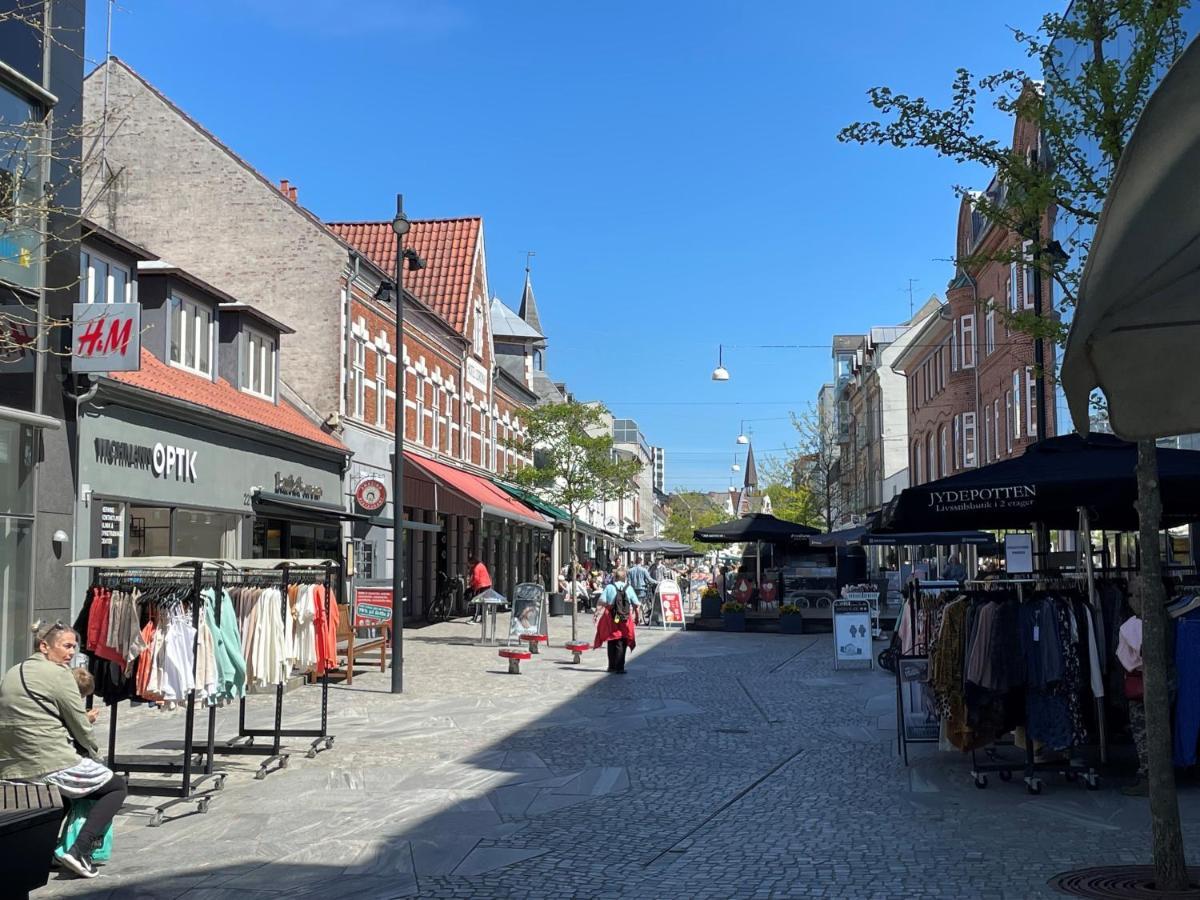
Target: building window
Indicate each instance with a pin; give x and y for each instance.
(191, 336)
(103, 281)
(968, 341)
(435, 421)
(358, 377)
(538, 361)
(969, 439)
(1014, 286)
(931, 472)
(1031, 400)
(996, 428)
(1028, 271)
(1008, 419)
(381, 389)
(957, 442)
(1016, 395)
(21, 195)
(477, 332)
(917, 479)
(258, 365)
(987, 444)
(990, 332)
(954, 349)
(420, 424)
(942, 448)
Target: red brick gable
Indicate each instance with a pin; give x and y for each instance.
(448, 247)
(222, 398)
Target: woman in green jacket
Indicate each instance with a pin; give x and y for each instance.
(42, 719)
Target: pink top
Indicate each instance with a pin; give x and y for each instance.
(1129, 647)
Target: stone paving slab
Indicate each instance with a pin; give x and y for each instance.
(721, 765)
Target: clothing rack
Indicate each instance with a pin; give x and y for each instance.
(918, 658)
(263, 570)
(183, 572)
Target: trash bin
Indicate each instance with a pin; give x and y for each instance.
(557, 606)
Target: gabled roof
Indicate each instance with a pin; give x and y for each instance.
(529, 310)
(222, 399)
(448, 247)
(506, 323)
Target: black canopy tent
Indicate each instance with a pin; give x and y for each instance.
(760, 528)
(1050, 483)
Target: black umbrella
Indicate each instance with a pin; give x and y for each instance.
(1049, 483)
(758, 527)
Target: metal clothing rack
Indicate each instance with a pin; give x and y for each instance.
(920, 655)
(186, 572)
(244, 742)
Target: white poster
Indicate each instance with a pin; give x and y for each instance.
(1018, 554)
(852, 632)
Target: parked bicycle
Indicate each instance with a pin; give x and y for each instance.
(446, 600)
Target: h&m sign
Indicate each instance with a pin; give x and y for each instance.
(164, 460)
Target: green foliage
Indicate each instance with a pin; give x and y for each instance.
(732, 606)
(691, 510)
(789, 609)
(573, 460)
(795, 504)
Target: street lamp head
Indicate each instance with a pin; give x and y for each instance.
(735, 468)
(742, 439)
(720, 373)
(400, 224)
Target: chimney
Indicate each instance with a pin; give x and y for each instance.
(284, 187)
(292, 192)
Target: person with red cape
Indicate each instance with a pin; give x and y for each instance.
(615, 624)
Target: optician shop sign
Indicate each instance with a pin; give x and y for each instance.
(163, 460)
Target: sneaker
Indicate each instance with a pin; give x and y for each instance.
(78, 862)
(1140, 788)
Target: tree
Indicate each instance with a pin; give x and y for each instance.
(793, 503)
(1100, 61)
(813, 467)
(574, 464)
(691, 510)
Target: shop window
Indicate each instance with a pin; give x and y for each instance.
(258, 365)
(191, 336)
(205, 534)
(366, 561)
(22, 153)
(149, 531)
(103, 281)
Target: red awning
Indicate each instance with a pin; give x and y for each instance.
(491, 499)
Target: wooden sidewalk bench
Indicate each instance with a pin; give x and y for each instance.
(351, 645)
(30, 817)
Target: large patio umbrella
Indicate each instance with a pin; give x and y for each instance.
(1049, 483)
(756, 527)
(1138, 313)
(655, 545)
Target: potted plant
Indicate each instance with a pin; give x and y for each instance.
(790, 619)
(710, 603)
(733, 615)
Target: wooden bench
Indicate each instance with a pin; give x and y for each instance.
(351, 644)
(514, 658)
(577, 648)
(533, 640)
(30, 817)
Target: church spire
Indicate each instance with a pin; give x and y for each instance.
(529, 310)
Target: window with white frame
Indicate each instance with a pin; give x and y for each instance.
(477, 332)
(996, 428)
(191, 336)
(967, 354)
(420, 423)
(435, 420)
(1014, 286)
(957, 442)
(917, 472)
(358, 377)
(1016, 395)
(103, 281)
(969, 440)
(466, 433)
(1029, 271)
(258, 364)
(931, 471)
(943, 451)
(1031, 401)
(987, 444)
(381, 403)
(989, 332)
(1008, 420)
(954, 349)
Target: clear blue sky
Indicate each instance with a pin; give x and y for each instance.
(673, 164)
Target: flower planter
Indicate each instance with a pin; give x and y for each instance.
(733, 621)
(791, 624)
(710, 607)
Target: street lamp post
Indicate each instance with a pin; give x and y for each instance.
(401, 226)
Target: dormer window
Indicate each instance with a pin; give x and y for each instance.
(102, 280)
(258, 364)
(191, 336)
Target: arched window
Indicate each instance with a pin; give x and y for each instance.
(538, 364)
(916, 462)
(931, 471)
(942, 451)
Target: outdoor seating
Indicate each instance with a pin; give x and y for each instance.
(30, 816)
(577, 648)
(351, 644)
(514, 658)
(533, 640)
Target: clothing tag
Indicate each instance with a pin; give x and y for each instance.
(1037, 633)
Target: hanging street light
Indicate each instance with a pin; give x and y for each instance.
(720, 373)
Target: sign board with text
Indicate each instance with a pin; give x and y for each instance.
(671, 603)
(372, 606)
(852, 632)
(1018, 554)
(106, 337)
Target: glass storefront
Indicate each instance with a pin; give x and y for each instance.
(285, 539)
(18, 453)
(127, 529)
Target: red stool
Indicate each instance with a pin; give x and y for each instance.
(533, 640)
(577, 648)
(514, 658)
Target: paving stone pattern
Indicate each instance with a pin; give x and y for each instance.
(720, 765)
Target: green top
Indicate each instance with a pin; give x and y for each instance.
(34, 741)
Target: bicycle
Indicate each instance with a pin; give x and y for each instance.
(441, 608)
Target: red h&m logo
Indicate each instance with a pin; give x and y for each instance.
(94, 340)
(107, 337)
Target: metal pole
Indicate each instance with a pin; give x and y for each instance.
(398, 472)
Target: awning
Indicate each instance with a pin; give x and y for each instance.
(491, 499)
(531, 499)
(285, 506)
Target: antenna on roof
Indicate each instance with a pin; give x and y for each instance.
(911, 282)
(104, 110)
(529, 255)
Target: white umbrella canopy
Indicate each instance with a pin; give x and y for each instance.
(1137, 322)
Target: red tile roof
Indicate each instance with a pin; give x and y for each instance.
(223, 398)
(446, 245)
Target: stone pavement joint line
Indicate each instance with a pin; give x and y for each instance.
(721, 765)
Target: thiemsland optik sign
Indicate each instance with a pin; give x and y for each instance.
(163, 460)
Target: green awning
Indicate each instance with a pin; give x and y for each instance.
(535, 501)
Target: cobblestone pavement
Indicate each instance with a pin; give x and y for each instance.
(721, 765)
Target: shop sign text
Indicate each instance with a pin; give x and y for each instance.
(164, 460)
(295, 486)
(107, 337)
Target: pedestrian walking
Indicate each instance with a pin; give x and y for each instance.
(479, 580)
(615, 625)
(643, 584)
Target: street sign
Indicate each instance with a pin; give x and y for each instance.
(106, 337)
(372, 606)
(852, 632)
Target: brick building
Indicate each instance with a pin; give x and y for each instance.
(972, 382)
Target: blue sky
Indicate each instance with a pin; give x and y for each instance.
(673, 164)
